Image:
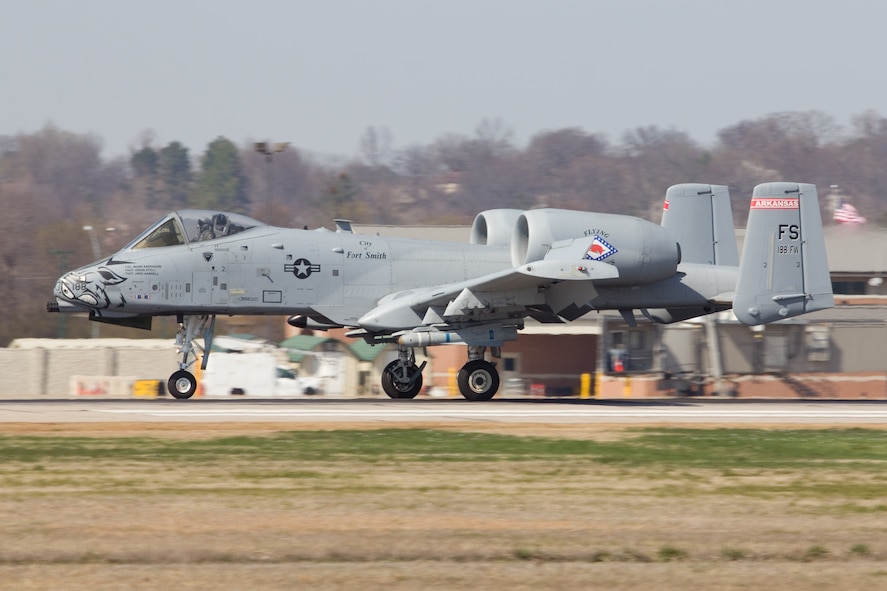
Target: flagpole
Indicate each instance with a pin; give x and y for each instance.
(834, 199)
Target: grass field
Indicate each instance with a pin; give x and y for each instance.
(435, 509)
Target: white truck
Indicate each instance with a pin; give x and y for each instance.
(252, 373)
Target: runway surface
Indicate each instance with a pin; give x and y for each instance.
(574, 412)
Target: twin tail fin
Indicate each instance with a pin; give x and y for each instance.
(784, 270)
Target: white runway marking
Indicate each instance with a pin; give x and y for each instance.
(499, 413)
(553, 412)
(525, 413)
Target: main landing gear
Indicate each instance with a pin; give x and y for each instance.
(402, 378)
(182, 383)
(477, 380)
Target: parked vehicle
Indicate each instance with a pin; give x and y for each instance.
(253, 373)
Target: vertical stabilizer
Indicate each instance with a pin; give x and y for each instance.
(701, 219)
(784, 270)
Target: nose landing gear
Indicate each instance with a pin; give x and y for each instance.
(182, 384)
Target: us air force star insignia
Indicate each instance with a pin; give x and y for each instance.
(301, 268)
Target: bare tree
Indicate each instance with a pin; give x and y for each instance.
(376, 146)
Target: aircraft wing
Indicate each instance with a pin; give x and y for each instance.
(505, 294)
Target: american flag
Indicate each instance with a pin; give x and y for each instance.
(847, 214)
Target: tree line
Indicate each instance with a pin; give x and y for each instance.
(54, 183)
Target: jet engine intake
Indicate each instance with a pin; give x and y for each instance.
(494, 227)
(642, 251)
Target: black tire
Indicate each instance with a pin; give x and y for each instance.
(396, 390)
(182, 384)
(478, 380)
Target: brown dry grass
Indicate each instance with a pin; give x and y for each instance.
(436, 525)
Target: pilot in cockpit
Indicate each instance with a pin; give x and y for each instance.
(216, 227)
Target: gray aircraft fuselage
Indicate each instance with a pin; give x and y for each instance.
(335, 275)
(547, 264)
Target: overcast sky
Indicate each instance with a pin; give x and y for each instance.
(318, 73)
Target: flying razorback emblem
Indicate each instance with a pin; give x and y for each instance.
(301, 268)
(599, 249)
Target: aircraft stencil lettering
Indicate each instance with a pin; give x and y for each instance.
(791, 231)
(547, 264)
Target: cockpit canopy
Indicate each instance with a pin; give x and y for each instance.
(192, 225)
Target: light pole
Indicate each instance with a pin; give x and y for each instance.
(269, 149)
(834, 200)
(94, 240)
(62, 326)
(96, 251)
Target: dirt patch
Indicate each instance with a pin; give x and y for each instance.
(223, 429)
(209, 430)
(436, 576)
(535, 524)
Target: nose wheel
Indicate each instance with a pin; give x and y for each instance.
(182, 384)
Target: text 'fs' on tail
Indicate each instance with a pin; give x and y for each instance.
(783, 271)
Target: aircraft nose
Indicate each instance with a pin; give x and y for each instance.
(64, 287)
(74, 287)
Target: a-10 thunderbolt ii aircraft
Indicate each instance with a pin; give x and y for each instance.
(548, 264)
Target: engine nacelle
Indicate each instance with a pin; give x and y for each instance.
(494, 227)
(642, 251)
